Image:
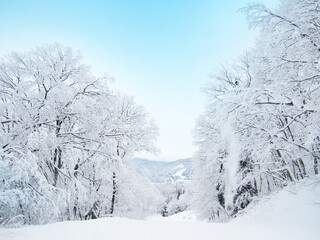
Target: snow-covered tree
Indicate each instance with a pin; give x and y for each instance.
(66, 139)
(260, 130)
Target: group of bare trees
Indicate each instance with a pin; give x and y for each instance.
(66, 139)
(261, 127)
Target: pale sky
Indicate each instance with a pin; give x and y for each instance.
(161, 52)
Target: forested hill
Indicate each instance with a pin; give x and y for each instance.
(162, 171)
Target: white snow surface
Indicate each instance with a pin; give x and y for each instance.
(179, 174)
(293, 213)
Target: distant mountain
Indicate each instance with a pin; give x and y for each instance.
(158, 171)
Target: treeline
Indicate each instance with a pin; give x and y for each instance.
(65, 142)
(260, 130)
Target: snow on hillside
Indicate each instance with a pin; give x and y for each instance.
(297, 205)
(161, 171)
(293, 213)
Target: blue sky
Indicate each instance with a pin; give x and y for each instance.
(159, 51)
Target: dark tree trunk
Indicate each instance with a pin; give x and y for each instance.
(315, 166)
(57, 160)
(114, 192)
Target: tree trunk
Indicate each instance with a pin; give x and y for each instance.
(57, 160)
(315, 166)
(114, 192)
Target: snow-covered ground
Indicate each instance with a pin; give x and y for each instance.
(293, 213)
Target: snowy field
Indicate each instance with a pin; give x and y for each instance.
(291, 214)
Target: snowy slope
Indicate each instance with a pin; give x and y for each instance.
(160, 171)
(296, 205)
(290, 214)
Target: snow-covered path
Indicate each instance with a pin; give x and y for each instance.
(156, 229)
(291, 214)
